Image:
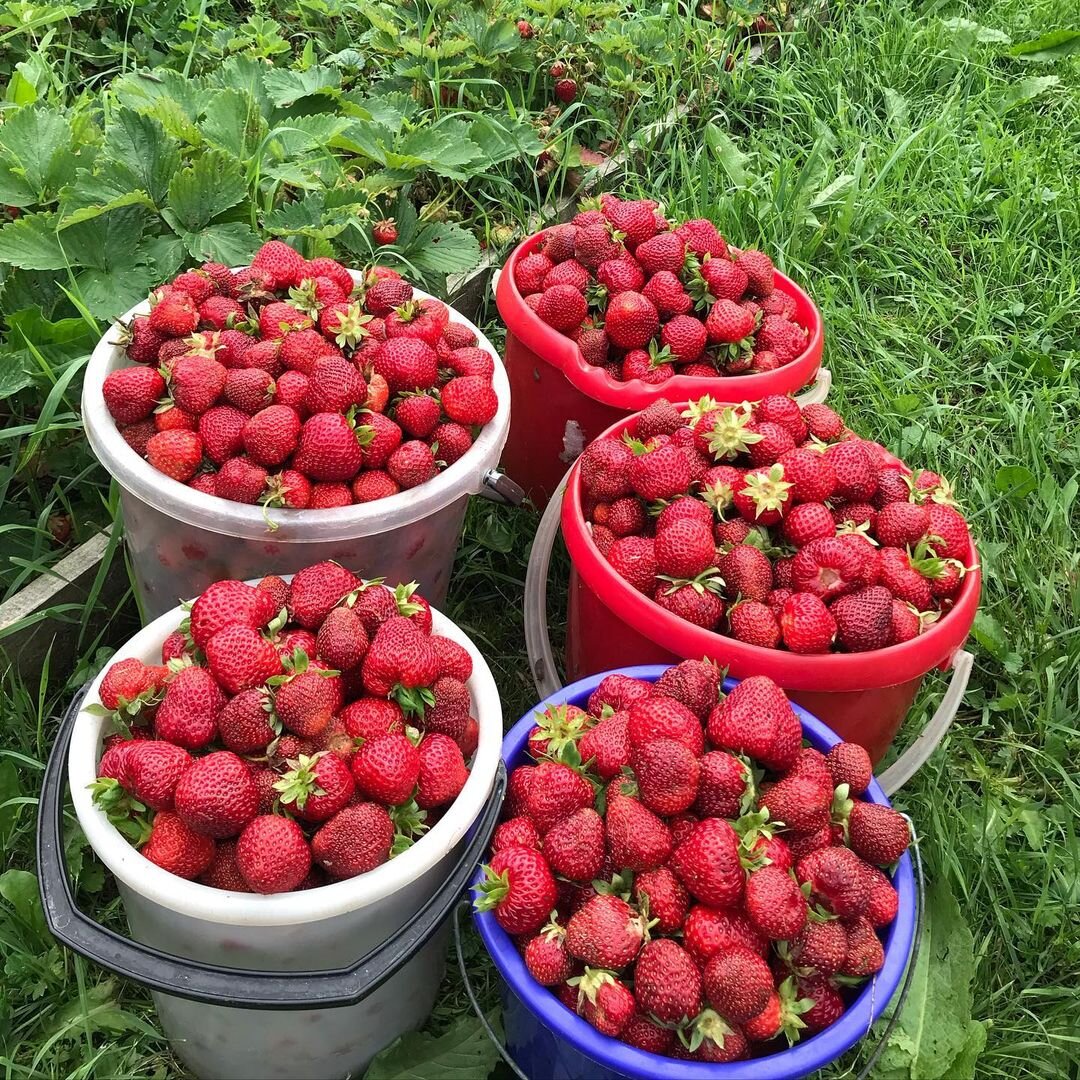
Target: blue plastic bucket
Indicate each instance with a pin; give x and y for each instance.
(549, 1042)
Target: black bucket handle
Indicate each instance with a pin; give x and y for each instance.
(213, 984)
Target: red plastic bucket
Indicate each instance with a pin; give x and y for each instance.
(864, 697)
(561, 403)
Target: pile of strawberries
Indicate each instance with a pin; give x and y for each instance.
(776, 525)
(647, 299)
(685, 874)
(289, 385)
(293, 735)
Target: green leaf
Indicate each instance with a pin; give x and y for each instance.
(15, 375)
(444, 248)
(213, 184)
(109, 292)
(166, 253)
(232, 243)
(503, 139)
(972, 31)
(31, 242)
(1051, 46)
(36, 140)
(1016, 481)
(731, 158)
(9, 778)
(990, 634)
(19, 888)
(934, 1032)
(107, 242)
(234, 123)
(1025, 90)
(286, 87)
(138, 147)
(57, 343)
(464, 1052)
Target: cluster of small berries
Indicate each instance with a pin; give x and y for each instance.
(290, 385)
(776, 525)
(293, 734)
(685, 874)
(647, 299)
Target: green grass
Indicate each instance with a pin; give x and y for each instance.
(924, 189)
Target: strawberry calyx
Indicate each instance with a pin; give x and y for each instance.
(589, 983)
(621, 885)
(352, 326)
(709, 1024)
(410, 823)
(707, 580)
(300, 782)
(403, 598)
(413, 700)
(492, 890)
(791, 1008)
(696, 285)
(559, 730)
(126, 814)
(728, 436)
(695, 410)
(851, 528)
(768, 491)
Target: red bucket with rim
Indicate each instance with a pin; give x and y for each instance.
(863, 697)
(561, 403)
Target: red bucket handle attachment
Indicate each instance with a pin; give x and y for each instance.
(545, 673)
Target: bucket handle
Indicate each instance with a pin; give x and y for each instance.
(545, 673)
(213, 984)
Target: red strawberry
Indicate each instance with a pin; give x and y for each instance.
(411, 464)
(765, 497)
(664, 718)
(849, 763)
(634, 558)
(593, 245)
(143, 342)
(647, 1035)
(417, 414)
(173, 314)
(665, 251)
(240, 480)
(342, 640)
(556, 792)
(661, 897)
(574, 846)
(220, 429)
(884, 900)
(244, 723)
(128, 681)
(442, 771)
(386, 769)
(272, 854)
(332, 269)
(668, 774)
(708, 933)
(759, 271)
(828, 568)
(316, 590)
(821, 944)
(747, 572)
(827, 1006)
(864, 619)
(666, 293)
(660, 473)
(216, 795)
(701, 238)
(386, 295)
(800, 801)
(150, 770)
(328, 449)
(618, 275)
(272, 434)
(562, 307)
(806, 522)
(707, 862)
(737, 983)
(174, 847)
(605, 1002)
(695, 601)
(838, 879)
(948, 531)
(131, 394)
(856, 476)
(667, 983)
(354, 841)
(328, 496)
(282, 265)
(569, 272)
(517, 832)
(823, 423)
(683, 549)
(177, 454)
(637, 839)
(775, 904)
(806, 624)
(605, 932)
(385, 231)
(756, 719)
(728, 323)
(407, 364)
(566, 90)
(631, 320)
(898, 524)
(240, 658)
(546, 957)
(901, 575)
(530, 271)
(316, 788)
(188, 712)
(865, 954)
(724, 279)
(306, 702)
(724, 782)
(371, 718)
(520, 889)
(470, 400)
(878, 833)
(369, 486)
(605, 747)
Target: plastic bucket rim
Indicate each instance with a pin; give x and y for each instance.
(804, 1057)
(138, 478)
(835, 672)
(634, 394)
(134, 871)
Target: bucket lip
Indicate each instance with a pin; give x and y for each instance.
(138, 477)
(839, 672)
(562, 353)
(190, 898)
(806, 1056)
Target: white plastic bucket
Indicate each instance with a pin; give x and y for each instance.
(181, 540)
(319, 929)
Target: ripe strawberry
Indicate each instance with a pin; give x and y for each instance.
(647, 1035)
(605, 1002)
(683, 549)
(272, 854)
(759, 271)
(546, 957)
(800, 801)
(240, 480)
(724, 280)
(519, 887)
(386, 769)
(562, 307)
(685, 336)
(137, 436)
(661, 897)
(302, 348)
(605, 468)
(838, 879)
(417, 414)
(634, 558)
(555, 792)
(174, 847)
(407, 364)
(216, 795)
(660, 473)
(574, 846)
(898, 524)
(724, 782)
(328, 448)
(605, 932)
(470, 401)
(282, 265)
(623, 274)
(332, 269)
(307, 701)
(342, 640)
(865, 954)
(756, 719)
(902, 577)
(411, 464)
(225, 602)
(265, 355)
(707, 862)
(775, 904)
(637, 839)
(570, 272)
(149, 769)
(605, 747)
(708, 933)
(248, 389)
(665, 251)
(317, 787)
(668, 774)
(566, 90)
(272, 434)
(442, 771)
(864, 619)
(142, 341)
(131, 394)
(806, 522)
(422, 319)
(244, 724)
(240, 658)
(631, 320)
(387, 295)
(128, 681)
(950, 537)
(806, 624)
(849, 763)
(666, 293)
(828, 568)
(747, 572)
(354, 841)
(878, 833)
(530, 272)
(780, 336)
(701, 237)
(856, 477)
(737, 983)
(766, 496)
(667, 983)
(188, 712)
(651, 718)
(728, 324)
(384, 231)
(517, 832)
(174, 314)
(821, 945)
(369, 486)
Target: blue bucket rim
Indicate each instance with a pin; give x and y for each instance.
(806, 1056)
